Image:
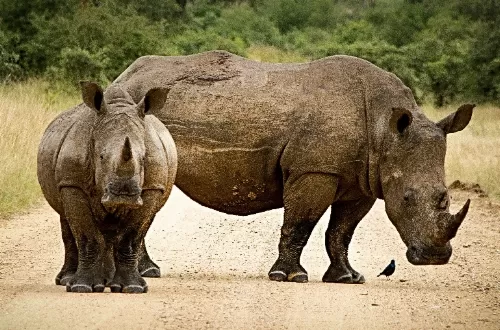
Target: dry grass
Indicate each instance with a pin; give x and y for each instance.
(474, 154)
(25, 111)
(273, 55)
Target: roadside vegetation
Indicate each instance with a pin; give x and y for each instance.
(473, 155)
(27, 108)
(25, 111)
(447, 52)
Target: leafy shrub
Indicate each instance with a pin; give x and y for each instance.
(197, 41)
(242, 21)
(77, 64)
(444, 51)
(8, 60)
(93, 34)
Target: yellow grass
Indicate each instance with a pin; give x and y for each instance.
(25, 111)
(273, 55)
(474, 154)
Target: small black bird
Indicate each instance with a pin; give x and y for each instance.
(389, 270)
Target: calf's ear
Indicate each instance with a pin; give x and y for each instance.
(400, 120)
(92, 95)
(154, 100)
(458, 120)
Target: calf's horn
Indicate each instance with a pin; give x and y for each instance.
(126, 150)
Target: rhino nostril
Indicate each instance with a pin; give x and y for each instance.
(409, 195)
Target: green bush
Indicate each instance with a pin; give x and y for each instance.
(241, 21)
(484, 56)
(155, 10)
(91, 35)
(444, 51)
(197, 41)
(77, 64)
(9, 68)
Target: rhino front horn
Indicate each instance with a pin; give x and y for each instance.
(126, 150)
(456, 220)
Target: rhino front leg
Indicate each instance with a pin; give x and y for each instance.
(127, 278)
(344, 219)
(305, 199)
(70, 254)
(89, 276)
(127, 252)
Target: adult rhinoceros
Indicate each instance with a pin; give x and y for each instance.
(336, 132)
(107, 167)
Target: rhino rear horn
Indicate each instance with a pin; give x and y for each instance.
(456, 220)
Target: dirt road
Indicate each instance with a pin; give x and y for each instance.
(214, 270)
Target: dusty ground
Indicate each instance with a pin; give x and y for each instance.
(214, 276)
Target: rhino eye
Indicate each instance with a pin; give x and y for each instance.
(101, 156)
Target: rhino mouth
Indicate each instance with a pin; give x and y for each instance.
(111, 200)
(423, 255)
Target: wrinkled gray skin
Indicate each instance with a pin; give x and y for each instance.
(107, 166)
(336, 132)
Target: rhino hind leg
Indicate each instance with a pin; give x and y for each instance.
(344, 219)
(70, 254)
(147, 268)
(305, 201)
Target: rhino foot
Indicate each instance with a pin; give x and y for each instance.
(64, 277)
(151, 272)
(85, 283)
(147, 268)
(282, 273)
(128, 283)
(343, 275)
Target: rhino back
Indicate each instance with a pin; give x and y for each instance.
(63, 154)
(241, 125)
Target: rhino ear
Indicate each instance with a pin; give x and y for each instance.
(400, 120)
(154, 100)
(92, 95)
(458, 120)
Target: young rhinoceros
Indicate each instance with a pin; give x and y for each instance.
(336, 132)
(107, 167)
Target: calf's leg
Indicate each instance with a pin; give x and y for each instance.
(70, 254)
(89, 276)
(127, 278)
(147, 268)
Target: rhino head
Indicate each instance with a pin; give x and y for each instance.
(413, 183)
(118, 143)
